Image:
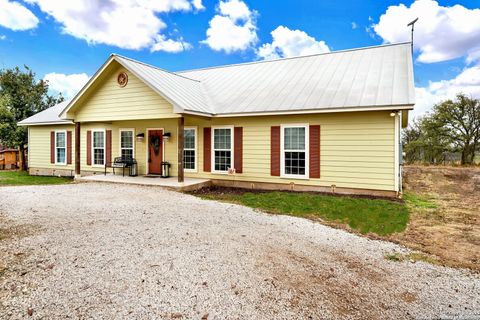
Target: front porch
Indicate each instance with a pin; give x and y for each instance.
(188, 184)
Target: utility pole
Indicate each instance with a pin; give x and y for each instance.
(413, 27)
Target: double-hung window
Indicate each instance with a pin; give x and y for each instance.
(222, 149)
(98, 146)
(189, 149)
(60, 147)
(294, 153)
(126, 143)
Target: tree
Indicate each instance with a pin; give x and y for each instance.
(21, 96)
(458, 121)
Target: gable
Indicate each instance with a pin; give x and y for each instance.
(105, 100)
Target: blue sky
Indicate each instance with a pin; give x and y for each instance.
(65, 42)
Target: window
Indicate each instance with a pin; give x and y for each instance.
(189, 149)
(294, 151)
(222, 149)
(126, 144)
(98, 146)
(60, 147)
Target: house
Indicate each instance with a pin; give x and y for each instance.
(324, 122)
(9, 159)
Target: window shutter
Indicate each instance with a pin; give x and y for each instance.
(89, 147)
(207, 149)
(238, 149)
(108, 148)
(314, 151)
(275, 151)
(52, 146)
(69, 147)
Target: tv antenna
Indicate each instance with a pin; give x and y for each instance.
(412, 24)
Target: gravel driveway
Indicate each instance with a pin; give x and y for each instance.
(115, 251)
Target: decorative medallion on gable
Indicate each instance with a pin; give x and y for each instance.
(122, 79)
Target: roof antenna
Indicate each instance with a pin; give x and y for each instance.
(413, 26)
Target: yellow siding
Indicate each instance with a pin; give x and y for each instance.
(107, 101)
(356, 149)
(170, 147)
(39, 147)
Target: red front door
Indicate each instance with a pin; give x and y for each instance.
(155, 151)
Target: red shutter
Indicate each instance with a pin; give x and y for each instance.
(89, 147)
(69, 147)
(275, 151)
(108, 156)
(207, 149)
(314, 133)
(238, 149)
(52, 146)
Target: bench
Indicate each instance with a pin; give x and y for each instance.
(123, 162)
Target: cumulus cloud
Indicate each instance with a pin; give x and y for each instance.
(3, 37)
(290, 43)
(354, 25)
(66, 84)
(169, 45)
(442, 33)
(468, 82)
(16, 17)
(128, 24)
(233, 28)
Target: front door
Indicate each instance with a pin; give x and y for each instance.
(155, 151)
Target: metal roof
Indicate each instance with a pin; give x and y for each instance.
(359, 79)
(47, 116)
(367, 77)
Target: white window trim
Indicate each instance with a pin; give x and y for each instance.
(195, 149)
(120, 140)
(213, 149)
(104, 148)
(56, 154)
(307, 151)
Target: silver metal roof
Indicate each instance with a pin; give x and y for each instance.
(47, 116)
(366, 78)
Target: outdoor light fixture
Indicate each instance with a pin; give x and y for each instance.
(140, 137)
(166, 136)
(393, 113)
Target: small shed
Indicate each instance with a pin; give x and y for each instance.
(9, 159)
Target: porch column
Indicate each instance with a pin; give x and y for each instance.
(77, 148)
(181, 143)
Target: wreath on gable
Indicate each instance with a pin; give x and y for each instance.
(155, 143)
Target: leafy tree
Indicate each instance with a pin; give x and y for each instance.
(458, 121)
(21, 96)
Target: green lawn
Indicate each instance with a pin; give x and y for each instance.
(22, 178)
(379, 216)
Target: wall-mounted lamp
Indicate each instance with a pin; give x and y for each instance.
(166, 136)
(393, 113)
(140, 137)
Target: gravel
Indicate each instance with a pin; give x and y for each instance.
(115, 251)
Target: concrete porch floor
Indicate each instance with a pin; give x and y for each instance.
(170, 183)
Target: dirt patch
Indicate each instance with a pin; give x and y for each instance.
(451, 231)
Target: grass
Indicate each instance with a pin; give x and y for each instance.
(22, 178)
(419, 201)
(378, 216)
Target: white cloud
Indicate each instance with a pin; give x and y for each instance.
(468, 82)
(291, 43)
(169, 45)
(128, 24)
(66, 84)
(233, 28)
(3, 37)
(441, 33)
(197, 4)
(15, 16)
(354, 25)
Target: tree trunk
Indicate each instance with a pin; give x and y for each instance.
(22, 155)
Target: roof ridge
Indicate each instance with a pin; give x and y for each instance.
(179, 73)
(155, 67)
